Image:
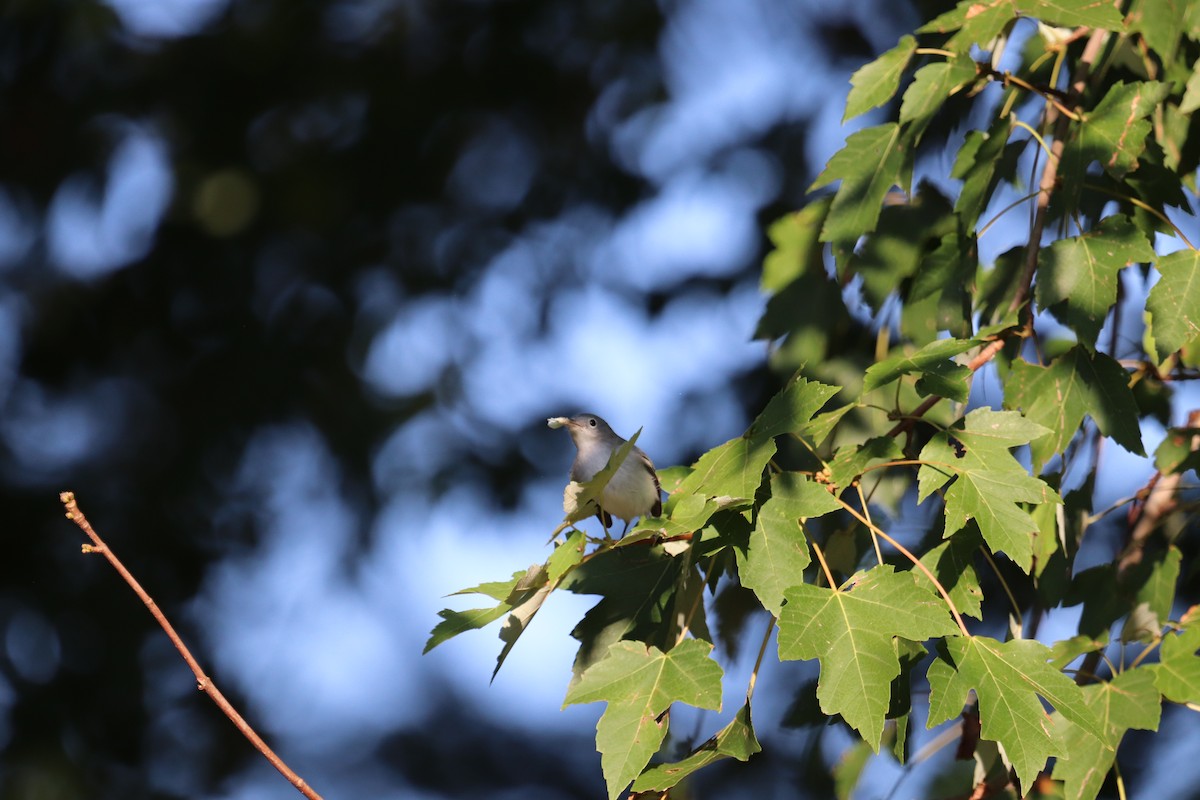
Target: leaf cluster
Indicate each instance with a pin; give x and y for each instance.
(886, 316)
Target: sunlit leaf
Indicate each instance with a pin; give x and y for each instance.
(1129, 700)
(931, 85)
(1177, 674)
(1075, 385)
(874, 84)
(733, 470)
(869, 165)
(640, 683)
(1174, 302)
(988, 482)
(735, 740)
(791, 408)
(1008, 679)
(778, 550)
(850, 632)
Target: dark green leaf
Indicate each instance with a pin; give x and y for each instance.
(927, 360)
(852, 460)
(1081, 273)
(1129, 700)
(875, 83)
(1073, 386)
(1177, 454)
(869, 165)
(797, 249)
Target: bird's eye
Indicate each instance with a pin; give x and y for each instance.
(592, 421)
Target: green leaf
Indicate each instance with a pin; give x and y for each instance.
(1081, 273)
(975, 166)
(505, 593)
(875, 83)
(1174, 302)
(797, 249)
(952, 563)
(1177, 675)
(1155, 578)
(852, 460)
(1175, 454)
(976, 23)
(869, 165)
(778, 549)
(791, 409)
(1191, 94)
(988, 481)
(455, 622)
(732, 471)
(931, 85)
(823, 424)
(518, 621)
(932, 359)
(1129, 700)
(849, 769)
(1008, 679)
(735, 740)
(1061, 395)
(1160, 22)
(639, 684)
(980, 21)
(1114, 132)
(900, 244)
(850, 632)
(939, 298)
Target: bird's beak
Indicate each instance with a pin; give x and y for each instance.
(558, 422)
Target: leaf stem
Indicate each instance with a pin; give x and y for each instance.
(867, 512)
(820, 557)
(1003, 584)
(762, 649)
(916, 562)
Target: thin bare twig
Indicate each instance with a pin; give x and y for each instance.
(203, 682)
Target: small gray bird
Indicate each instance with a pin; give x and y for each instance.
(633, 491)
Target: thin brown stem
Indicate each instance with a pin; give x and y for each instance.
(762, 649)
(984, 356)
(916, 562)
(203, 682)
(824, 564)
(1020, 301)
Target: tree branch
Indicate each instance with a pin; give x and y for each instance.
(203, 682)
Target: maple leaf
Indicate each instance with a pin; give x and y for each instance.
(1008, 679)
(640, 683)
(852, 632)
(1078, 276)
(988, 481)
(1129, 700)
(777, 552)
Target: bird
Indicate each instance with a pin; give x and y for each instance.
(633, 491)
